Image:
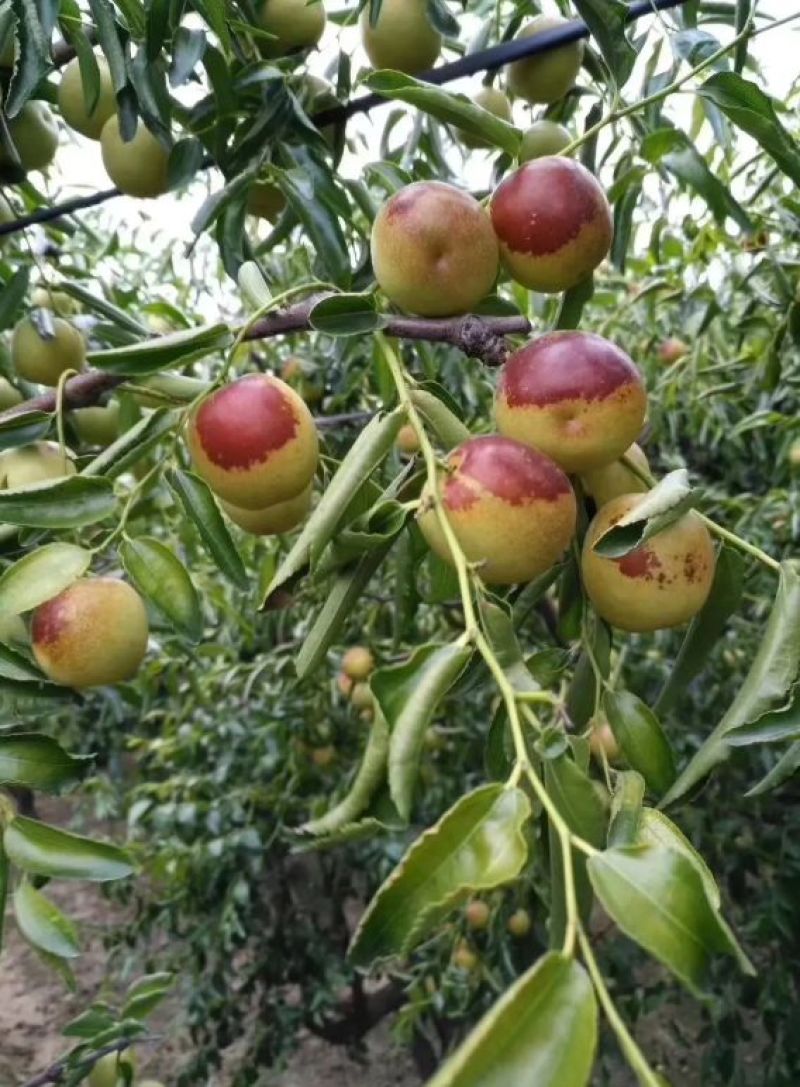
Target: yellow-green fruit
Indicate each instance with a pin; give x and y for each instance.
(58, 301)
(477, 913)
(272, 520)
(433, 250)
(9, 396)
(407, 441)
(107, 1072)
(32, 464)
(465, 958)
(361, 696)
(403, 37)
(149, 1083)
(296, 24)
(794, 454)
(34, 133)
(44, 360)
(254, 442)
(602, 741)
(97, 425)
(672, 350)
(609, 482)
(72, 99)
(265, 200)
(358, 663)
(138, 167)
(543, 138)
(511, 509)
(13, 631)
(323, 756)
(661, 584)
(91, 634)
(519, 923)
(496, 103)
(547, 76)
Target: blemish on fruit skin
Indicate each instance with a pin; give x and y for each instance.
(567, 192)
(568, 366)
(51, 620)
(504, 468)
(641, 563)
(244, 422)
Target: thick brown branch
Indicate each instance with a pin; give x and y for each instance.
(478, 337)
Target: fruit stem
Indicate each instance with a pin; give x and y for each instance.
(634, 1056)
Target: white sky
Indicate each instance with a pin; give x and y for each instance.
(166, 220)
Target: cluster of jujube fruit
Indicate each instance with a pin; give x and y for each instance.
(568, 404)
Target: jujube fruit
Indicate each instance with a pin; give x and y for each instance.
(519, 923)
(361, 696)
(29, 465)
(543, 138)
(609, 482)
(511, 509)
(573, 395)
(275, 519)
(403, 37)
(138, 167)
(660, 584)
(34, 133)
(9, 396)
(296, 24)
(494, 101)
(465, 958)
(407, 440)
(553, 223)
(254, 442)
(477, 913)
(98, 425)
(44, 359)
(107, 1071)
(602, 741)
(433, 250)
(91, 634)
(547, 76)
(323, 756)
(265, 200)
(358, 662)
(73, 103)
(58, 301)
(672, 349)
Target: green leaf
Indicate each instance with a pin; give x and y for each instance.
(145, 994)
(24, 428)
(542, 1031)
(40, 575)
(41, 850)
(15, 666)
(370, 775)
(655, 828)
(305, 188)
(573, 303)
(642, 739)
(96, 304)
(670, 499)
(447, 427)
(366, 453)
(453, 109)
(786, 766)
(37, 761)
(33, 63)
(673, 149)
(772, 675)
(408, 695)
(4, 882)
(148, 356)
(626, 809)
(63, 503)
(502, 637)
(43, 924)
(346, 315)
(478, 844)
(706, 628)
(197, 500)
(133, 445)
(607, 20)
(164, 580)
(12, 296)
(659, 900)
(750, 109)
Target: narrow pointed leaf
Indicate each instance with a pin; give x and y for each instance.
(158, 353)
(164, 580)
(43, 924)
(197, 500)
(541, 1033)
(41, 850)
(132, 446)
(65, 503)
(41, 575)
(642, 739)
(39, 762)
(658, 899)
(767, 686)
(409, 694)
(478, 844)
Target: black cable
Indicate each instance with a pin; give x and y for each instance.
(497, 56)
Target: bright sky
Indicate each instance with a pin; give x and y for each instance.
(79, 165)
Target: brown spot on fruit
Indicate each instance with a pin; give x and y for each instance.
(553, 222)
(654, 587)
(433, 250)
(511, 509)
(254, 442)
(573, 395)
